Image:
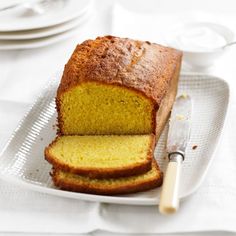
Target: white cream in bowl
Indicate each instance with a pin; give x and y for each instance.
(200, 39)
(201, 42)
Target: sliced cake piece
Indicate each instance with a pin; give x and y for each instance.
(132, 184)
(102, 156)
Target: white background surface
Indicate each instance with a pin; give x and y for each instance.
(23, 73)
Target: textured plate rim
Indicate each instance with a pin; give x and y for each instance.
(113, 199)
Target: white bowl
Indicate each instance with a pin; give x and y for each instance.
(204, 57)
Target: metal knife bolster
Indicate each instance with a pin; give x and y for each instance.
(177, 156)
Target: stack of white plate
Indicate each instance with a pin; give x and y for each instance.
(37, 23)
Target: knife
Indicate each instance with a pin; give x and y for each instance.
(177, 140)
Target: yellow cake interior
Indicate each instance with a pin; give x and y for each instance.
(95, 108)
(102, 151)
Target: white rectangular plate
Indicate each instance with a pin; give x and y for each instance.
(22, 160)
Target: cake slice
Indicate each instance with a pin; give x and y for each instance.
(102, 156)
(132, 184)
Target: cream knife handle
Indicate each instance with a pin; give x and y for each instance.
(169, 200)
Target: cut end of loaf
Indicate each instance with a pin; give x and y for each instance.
(92, 108)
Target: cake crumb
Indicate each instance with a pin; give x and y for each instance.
(41, 139)
(180, 117)
(54, 127)
(194, 147)
(184, 95)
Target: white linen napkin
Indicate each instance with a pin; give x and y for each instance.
(211, 208)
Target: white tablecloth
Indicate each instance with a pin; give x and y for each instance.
(22, 75)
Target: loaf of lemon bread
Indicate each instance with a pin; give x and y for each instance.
(113, 101)
(115, 85)
(102, 156)
(108, 186)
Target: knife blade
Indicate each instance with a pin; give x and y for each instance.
(177, 140)
(179, 125)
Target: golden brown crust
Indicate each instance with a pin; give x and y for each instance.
(144, 67)
(66, 184)
(135, 169)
